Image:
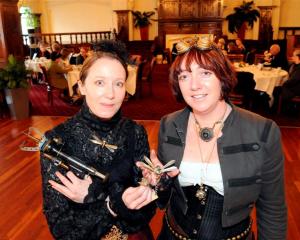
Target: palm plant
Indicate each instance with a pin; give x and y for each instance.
(243, 14)
(142, 19)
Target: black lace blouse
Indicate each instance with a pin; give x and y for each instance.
(91, 220)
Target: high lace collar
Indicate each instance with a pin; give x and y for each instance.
(97, 124)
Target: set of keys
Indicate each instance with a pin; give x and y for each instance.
(157, 170)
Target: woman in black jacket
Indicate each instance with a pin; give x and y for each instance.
(86, 207)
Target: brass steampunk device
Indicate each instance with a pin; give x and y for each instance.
(51, 149)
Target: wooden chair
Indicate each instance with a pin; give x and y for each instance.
(236, 99)
(243, 93)
(295, 99)
(144, 76)
(48, 86)
(235, 57)
(259, 58)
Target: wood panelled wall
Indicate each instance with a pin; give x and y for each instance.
(10, 31)
(190, 16)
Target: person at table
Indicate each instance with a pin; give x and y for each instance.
(240, 46)
(78, 59)
(57, 76)
(291, 87)
(276, 57)
(88, 208)
(230, 160)
(42, 51)
(222, 45)
(56, 48)
(157, 48)
(64, 58)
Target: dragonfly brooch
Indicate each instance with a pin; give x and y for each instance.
(103, 143)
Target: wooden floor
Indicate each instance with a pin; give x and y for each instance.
(21, 215)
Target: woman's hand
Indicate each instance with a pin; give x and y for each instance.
(137, 197)
(72, 187)
(149, 175)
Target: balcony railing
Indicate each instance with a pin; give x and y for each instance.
(74, 38)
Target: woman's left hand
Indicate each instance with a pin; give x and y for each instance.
(72, 187)
(137, 197)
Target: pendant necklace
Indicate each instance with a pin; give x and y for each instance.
(201, 193)
(207, 133)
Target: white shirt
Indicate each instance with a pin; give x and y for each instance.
(192, 173)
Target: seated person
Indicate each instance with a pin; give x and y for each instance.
(240, 46)
(222, 45)
(64, 58)
(78, 59)
(232, 48)
(57, 76)
(55, 54)
(41, 51)
(156, 49)
(276, 58)
(291, 87)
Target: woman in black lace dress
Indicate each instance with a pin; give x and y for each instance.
(88, 208)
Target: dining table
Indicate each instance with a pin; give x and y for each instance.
(73, 77)
(266, 78)
(34, 65)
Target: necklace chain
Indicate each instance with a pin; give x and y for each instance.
(201, 193)
(198, 129)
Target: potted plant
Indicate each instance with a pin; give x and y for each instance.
(142, 21)
(244, 15)
(32, 21)
(13, 79)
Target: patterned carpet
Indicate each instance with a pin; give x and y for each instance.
(40, 105)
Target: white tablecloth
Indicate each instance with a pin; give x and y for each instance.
(266, 80)
(34, 65)
(73, 77)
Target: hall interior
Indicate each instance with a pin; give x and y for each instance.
(78, 23)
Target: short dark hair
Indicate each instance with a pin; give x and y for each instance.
(212, 59)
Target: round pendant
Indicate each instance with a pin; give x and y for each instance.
(206, 134)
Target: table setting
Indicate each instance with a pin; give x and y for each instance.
(266, 77)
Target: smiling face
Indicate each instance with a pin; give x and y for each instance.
(104, 87)
(200, 88)
(201, 69)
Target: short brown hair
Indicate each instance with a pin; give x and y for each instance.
(89, 62)
(213, 60)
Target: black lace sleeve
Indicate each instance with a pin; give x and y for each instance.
(69, 220)
(132, 220)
